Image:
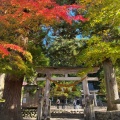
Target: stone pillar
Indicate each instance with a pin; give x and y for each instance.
(85, 87)
(49, 112)
(89, 108)
(46, 98)
(40, 104)
(66, 75)
(52, 99)
(66, 101)
(39, 109)
(95, 98)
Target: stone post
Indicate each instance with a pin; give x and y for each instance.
(89, 108)
(95, 99)
(85, 87)
(49, 112)
(39, 109)
(46, 98)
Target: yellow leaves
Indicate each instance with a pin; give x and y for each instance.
(20, 31)
(28, 56)
(17, 58)
(7, 68)
(118, 12)
(18, 63)
(21, 66)
(93, 40)
(84, 72)
(21, 63)
(115, 54)
(102, 11)
(91, 2)
(103, 50)
(2, 100)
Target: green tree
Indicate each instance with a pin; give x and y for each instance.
(62, 52)
(103, 46)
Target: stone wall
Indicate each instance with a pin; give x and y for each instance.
(107, 115)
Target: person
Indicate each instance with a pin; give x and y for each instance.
(58, 103)
(74, 103)
(63, 103)
(77, 103)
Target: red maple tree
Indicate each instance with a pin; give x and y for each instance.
(44, 11)
(5, 46)
(47, 10)
(21, 14)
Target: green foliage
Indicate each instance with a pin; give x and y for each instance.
(55, 92)
(31, 89)
(65, 91)
(104, 17)
(17, 64)
(39, 58)
(103, 31)
(67, 31)
(76, 93)
(97, 51)
(41, 84)
(62, 52)
(102, 12)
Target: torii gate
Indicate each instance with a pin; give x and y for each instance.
(49, 71)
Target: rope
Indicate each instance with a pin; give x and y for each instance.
(67, 85)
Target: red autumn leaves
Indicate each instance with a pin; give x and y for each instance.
(46, 11)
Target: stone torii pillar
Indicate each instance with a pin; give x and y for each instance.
(46, 102)
(86, 90)
(85, 87)
(95, 98)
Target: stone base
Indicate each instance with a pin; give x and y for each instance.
(107, 115)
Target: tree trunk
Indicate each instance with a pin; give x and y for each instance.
(12, 96)
(111, 85)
